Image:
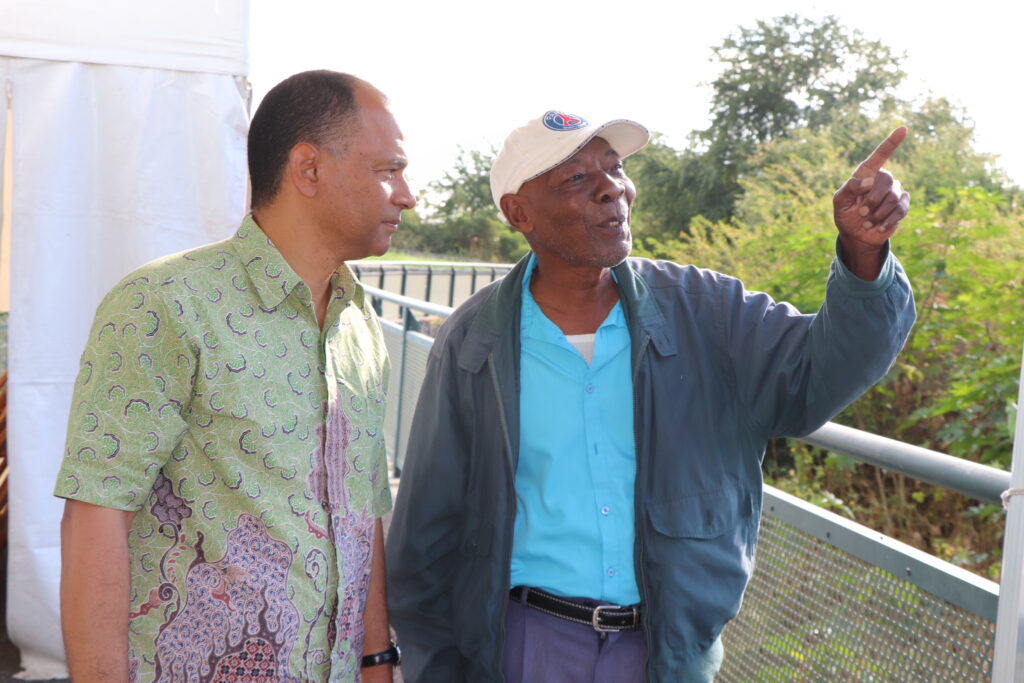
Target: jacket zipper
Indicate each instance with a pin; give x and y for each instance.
(511, 516)
(638, 522)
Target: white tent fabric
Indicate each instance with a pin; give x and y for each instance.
(112, 166)
(208, 36)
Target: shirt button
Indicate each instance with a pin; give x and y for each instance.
(605, 510)
(611, 571)
(590, 388)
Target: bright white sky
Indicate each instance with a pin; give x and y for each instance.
(465, 73)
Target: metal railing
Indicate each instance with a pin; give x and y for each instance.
(829, 599)
(452, 281)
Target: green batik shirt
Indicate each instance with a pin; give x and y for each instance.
(251, 445)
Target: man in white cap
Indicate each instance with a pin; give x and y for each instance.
(581, 494)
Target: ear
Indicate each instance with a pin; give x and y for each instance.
(514, 208)
(303, 169)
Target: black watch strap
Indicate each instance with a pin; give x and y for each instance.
(392, 655)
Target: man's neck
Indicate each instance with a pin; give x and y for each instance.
(295, 237)
(576, 298)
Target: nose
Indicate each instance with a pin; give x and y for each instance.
(403, 196)
(610, 188)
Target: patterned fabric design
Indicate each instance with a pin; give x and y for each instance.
(251, 445)
(244, 593)
(254, 662)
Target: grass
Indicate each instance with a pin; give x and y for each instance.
(394, 255)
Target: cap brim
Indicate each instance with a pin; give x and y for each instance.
(624, 136)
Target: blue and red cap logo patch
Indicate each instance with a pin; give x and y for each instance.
(557, 120)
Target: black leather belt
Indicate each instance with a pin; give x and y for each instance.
(602, 618)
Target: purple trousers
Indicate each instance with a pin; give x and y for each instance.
(540, 648)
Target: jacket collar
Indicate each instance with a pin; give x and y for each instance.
(499, 315)
(643, 312)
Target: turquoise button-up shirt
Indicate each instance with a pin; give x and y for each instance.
(574, 528)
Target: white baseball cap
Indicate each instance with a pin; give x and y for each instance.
(543, 143)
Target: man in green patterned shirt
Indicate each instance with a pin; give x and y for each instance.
(225, 470)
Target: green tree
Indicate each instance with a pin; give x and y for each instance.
(463, 221)
(791, 73)
(953, 388)
(673, 187)
(782, 75)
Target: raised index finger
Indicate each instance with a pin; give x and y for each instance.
(873, 164)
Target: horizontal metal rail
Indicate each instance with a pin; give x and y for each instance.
(956, 474)
(427, 280)
(409, 303)
(375, 266)
(949, 472)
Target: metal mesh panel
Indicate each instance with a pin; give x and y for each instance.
(393, 342)
(417, 347)
(815, 613)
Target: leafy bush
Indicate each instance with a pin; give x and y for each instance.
(953, 388)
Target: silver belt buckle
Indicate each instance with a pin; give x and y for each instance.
(595, 621)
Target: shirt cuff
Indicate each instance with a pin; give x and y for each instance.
(853, 285)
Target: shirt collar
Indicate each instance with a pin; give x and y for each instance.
(502, 308)
(534, 324)
(272, 277)
(346, 287)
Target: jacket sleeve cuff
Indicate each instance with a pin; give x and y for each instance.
(852, 285)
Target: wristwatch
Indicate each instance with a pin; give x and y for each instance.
(392, 655)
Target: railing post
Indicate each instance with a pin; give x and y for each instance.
(430, 277)
(1008, 661)
(451, 289)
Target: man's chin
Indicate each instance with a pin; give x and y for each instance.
(605, 259)
(621, 254)
(381, 247)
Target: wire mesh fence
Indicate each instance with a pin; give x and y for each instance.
(813, 612)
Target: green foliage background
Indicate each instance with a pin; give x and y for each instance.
(463, 223)
(953, 388)
(797, 106)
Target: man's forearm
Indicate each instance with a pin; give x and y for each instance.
(375, 616)
(94, 589)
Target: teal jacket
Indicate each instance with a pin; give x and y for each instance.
(717, 371)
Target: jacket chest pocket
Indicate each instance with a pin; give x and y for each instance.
(705, 515)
